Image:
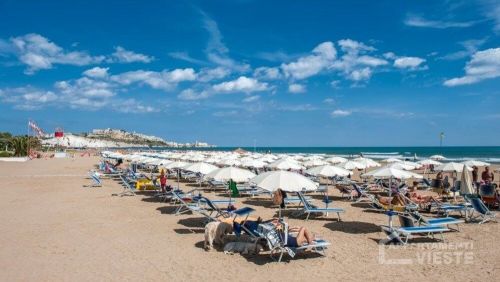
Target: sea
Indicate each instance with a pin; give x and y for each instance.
(487, 153)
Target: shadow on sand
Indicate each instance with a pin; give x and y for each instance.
(353, 227)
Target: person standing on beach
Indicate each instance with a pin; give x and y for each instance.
(475, 178)
(487, 176)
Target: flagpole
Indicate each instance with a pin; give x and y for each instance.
(28, 147)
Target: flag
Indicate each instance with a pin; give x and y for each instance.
(35, 128)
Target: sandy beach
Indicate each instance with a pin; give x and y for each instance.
(54, 229)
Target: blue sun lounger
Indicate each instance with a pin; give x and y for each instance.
(403, 234)
(311, 209)
(441, 221)
(482, 211)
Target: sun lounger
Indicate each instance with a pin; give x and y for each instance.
(277, 242)
(408, 229)
(96, 179)
(128, 189)
(441, 221)
(482, 211)
(309, 209)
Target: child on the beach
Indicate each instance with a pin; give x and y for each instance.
(163, 181)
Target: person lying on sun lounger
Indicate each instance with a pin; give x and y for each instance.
(297, 235)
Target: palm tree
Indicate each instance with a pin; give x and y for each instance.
(20, 144)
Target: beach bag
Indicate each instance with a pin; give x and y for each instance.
(277, 197)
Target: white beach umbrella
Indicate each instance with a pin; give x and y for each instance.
(176, 165)
(234, 173)
(314, 162)
(230, 162)
(254, 163)
(336, 160)
(437, 157)
(452, 167)
(160, 162)
(328, 171)
(402, 166)
(466, 182)
(367, 162)
(202, 168)
(471, 163)
(285, 164)
(390, 172)
(284, 180)
(429, 162)
(350, 165)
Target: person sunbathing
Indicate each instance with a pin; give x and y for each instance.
(297, 236)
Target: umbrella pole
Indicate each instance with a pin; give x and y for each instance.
(390, 203)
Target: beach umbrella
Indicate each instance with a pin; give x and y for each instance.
(367, 162)
(230, 162)
(391, 172)
(159, 162)
(437, 157)
(314, 162)
(466, 182)
(452, 167)
(202, 168)
(175, 165)
(406, 165)
(336, 160)
(254, 163)
(350, 165)
(285, 164)
(284, 180)
(328, 171)
(471, 163)
(234, 173)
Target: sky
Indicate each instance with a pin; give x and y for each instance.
(269, 73)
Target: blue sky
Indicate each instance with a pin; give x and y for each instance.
(282, 73)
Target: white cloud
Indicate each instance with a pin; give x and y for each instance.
(267, 73)
(329, 101)
(335, 83)
(355, 64)
(297, 108)
(296, 88)
(491, 9)
(38, 53)
(134, 106)
(408, 62)
(165, 80)
(418, 21)
(340, 113)
(483, 65)
(216, 50)
(122, 55)
(225, 113)
(192, 95)
(85, 87)
(184, 56)
(470, 47)
(209, 74)
(250, 99)
(322, 56)
(352, 46)
(361, 74)
(241, 84)
(96, 72)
